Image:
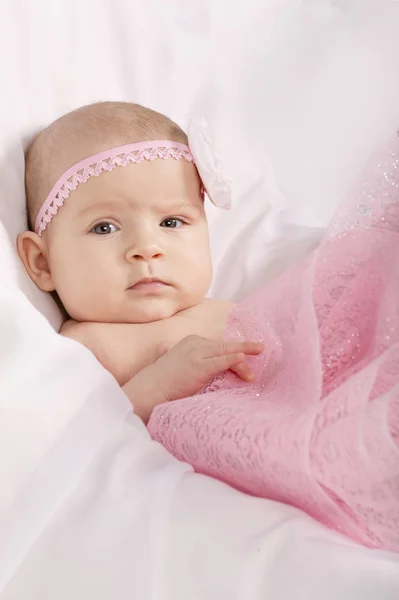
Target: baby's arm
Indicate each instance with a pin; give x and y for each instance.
(144, 391)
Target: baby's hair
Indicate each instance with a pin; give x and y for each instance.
(84, 132)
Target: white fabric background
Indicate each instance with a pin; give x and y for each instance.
(291, 96)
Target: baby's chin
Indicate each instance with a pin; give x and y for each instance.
(150, 310)
(140, 316)
(149, 316)
(152, 313)
(155, 309)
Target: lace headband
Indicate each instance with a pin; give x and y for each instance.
(105, 161)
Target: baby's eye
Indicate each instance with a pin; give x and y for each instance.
(104, 228)
(172, 223)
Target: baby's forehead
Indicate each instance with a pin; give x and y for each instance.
(153, 179)
(131, 202)
(138, 187)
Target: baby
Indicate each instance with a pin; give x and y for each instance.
(121, 236)
(126, 250)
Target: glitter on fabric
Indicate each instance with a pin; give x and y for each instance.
(319, 428)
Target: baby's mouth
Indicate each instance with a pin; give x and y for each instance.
(149, 285)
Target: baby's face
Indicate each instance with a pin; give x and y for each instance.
(131, 246)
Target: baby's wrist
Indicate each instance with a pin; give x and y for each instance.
(144, 393)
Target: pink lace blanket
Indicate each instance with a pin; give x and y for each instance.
(319, 429)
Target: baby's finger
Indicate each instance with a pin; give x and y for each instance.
(233, 362)
(249, 348)
(243, 371)
(218, 364)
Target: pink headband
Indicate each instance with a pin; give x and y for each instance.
(105, 161)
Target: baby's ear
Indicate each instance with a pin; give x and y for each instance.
(32, 252)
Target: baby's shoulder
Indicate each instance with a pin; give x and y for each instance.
(89, 334)
(74, 329)
(101, 334)
(207, 319)
(213, 306)
(122, 348)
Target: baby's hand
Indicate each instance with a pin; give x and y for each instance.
(185, 370)
(195, 361)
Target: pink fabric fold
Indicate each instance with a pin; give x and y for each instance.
(319, 428)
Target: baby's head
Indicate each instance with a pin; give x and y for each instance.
(129, 245)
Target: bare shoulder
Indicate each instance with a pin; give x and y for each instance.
(207, 319)
(87, 333)
(92, 332)
(213, 307)
(74, 329)
(122, 348)
(221, 306)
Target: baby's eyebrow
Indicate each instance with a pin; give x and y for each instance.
(101, 206)
(183, 207)
(186, 207)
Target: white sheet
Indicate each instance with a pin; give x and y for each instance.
(89, 506)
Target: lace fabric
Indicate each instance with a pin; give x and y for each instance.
(319, 428)
(108, 160)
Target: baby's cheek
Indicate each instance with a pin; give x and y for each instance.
(200, 275)
(77, 291)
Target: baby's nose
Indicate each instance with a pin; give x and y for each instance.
(144, 253)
